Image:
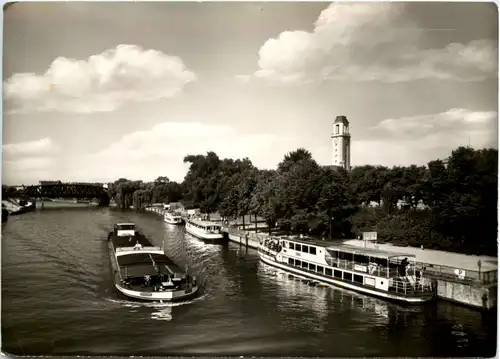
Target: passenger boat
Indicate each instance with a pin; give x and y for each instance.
(143, 271)
(388, 275)
(172, 218)
(205, 230)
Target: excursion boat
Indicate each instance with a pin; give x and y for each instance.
(172, 218)
(205, 230)
(387, 275)
(143, 271)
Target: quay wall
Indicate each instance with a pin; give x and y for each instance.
(251, 240)
(475, 295)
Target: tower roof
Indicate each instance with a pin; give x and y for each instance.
(341, 119)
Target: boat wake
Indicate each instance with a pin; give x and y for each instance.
(133, 304)
(161, 311)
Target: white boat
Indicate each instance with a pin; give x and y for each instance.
(204, 229)
(387, 275)
(143, 271)
(172, 218)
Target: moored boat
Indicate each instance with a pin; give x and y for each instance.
(387, 275)
(205, 230)
(172, 218)
(143, 271)
(5, 214)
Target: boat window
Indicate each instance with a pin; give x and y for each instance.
(305, 265)
(333, 253)
(359, 258)
(345, 256)
(328, 272)
(337, 273)
(125, 227)
(312, 267)
(358, 278)
(319, 269)
(348, 276)
(380, 261)
(290, 261)
(298, 247)
(291, 245)
(297, 263)
(305, 249)
(312, 250)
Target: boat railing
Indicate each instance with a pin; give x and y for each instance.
(136, 249)
(411, 286)
(458, 275)
(371, 268)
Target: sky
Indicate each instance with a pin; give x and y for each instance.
(100, 91)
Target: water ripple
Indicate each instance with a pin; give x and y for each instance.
(58, 298)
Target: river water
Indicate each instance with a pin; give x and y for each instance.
(58, 298)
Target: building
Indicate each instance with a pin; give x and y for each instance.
(341, 141)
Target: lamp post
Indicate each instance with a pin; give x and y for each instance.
(331, 220)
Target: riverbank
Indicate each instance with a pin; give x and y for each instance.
(17, 205)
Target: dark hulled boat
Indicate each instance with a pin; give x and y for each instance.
(143, 271)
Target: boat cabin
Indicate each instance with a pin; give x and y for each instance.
(206, 226)
(371, 261)
(124, 229)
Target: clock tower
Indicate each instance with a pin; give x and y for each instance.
(341, 140)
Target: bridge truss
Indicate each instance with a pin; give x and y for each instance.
(68, 190)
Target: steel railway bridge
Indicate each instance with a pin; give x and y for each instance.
(78, 190)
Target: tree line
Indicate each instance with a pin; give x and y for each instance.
(448, 204)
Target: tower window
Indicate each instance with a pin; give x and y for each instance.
(337, 129)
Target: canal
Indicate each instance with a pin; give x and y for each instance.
(58, 298)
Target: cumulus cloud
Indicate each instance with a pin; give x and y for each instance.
(28, 161)
(103, 82)
(41, 147)
(369, 42)
(419, 139)
(161, 150)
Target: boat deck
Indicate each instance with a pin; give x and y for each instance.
(130, 241)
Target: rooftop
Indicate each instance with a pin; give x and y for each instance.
(204, 223)
(371, 252)
(341, 119)
(339, 246)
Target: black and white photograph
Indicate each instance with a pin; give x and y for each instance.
(249, 179)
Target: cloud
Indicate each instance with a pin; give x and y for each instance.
(369, 42)
(103, 82)
(30, 160)
(161, 150)
(36, 148)
(419, 139)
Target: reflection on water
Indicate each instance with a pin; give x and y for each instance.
(298, 292)
(245, 307)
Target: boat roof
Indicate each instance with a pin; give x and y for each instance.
(125, 224)
(130, 241)
(204, 223)
(350, 249)
(306, 241)
(371, 252)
